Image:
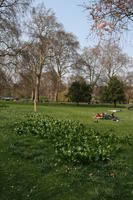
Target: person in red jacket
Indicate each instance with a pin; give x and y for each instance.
(100, 115)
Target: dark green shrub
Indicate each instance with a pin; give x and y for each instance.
(72, 140)
(79, 91)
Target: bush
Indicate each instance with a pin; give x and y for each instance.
(71, 139)
(79, 91)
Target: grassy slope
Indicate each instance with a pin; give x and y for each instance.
(29, 169)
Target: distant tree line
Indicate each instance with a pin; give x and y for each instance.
(40, 61)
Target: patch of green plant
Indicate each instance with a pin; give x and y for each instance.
(31, 124)
(3, 105)
(72, 141)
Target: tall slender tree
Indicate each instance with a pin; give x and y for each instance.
(63, 55)
(41, 29)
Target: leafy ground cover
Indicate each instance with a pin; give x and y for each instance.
(30, 170)
(72, 141)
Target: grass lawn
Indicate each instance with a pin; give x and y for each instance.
(29, 169)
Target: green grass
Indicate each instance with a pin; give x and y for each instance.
(29, 169)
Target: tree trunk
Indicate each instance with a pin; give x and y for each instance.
(57, 95)
(38, 88)
(32, 94)
(35, 97)
(39, 76)
(58, 89)
(128, 100)
(115, 103)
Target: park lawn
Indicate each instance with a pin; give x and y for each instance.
(29, 169)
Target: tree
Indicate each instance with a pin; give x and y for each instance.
(80, 92)
(41, 29)
(89, 63)
(25, 85)
(10, 25)
(100, 63)
(48, 84)
(113, 60)
(5, 82)
(129, 86)
(104, 94)
(110, 15)
(75, 77)
(64, 52)
(11, 12)
(114, 91)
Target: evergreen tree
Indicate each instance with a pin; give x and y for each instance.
(80, 91)
(114, 92)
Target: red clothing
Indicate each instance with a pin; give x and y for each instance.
(99, 115)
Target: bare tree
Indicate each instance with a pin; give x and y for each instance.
(5, 82)
(28, 64)
(89, 63)
(41, 29)
(64, 52)
(10, 15)
(114, 61)
(11, 12)
(128, 82)
(48, 84)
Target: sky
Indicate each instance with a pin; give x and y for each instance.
(74, 19)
